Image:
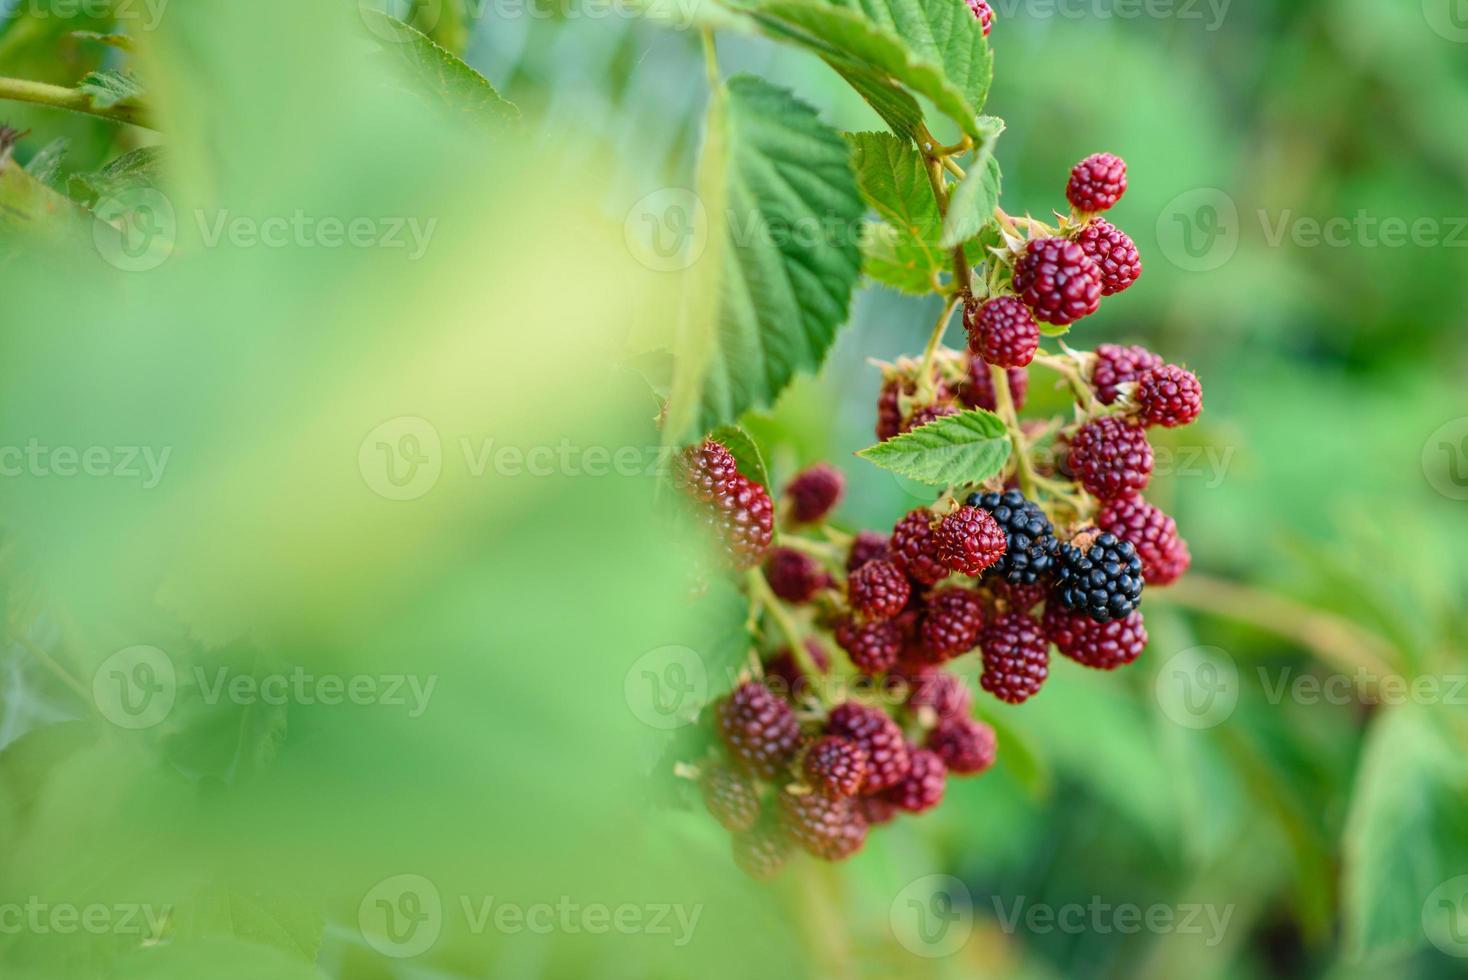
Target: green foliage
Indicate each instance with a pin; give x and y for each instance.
(956, 450)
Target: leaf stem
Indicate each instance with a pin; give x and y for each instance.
(74, 100)
(710, 57)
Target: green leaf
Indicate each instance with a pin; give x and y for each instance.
(1407, 832)
(745, 452)
(108, 88)
(903, 251)
(972, 204)
(790, 257)
(138, 168)
(442, 77)
(933, 48)
(119, 41)
(958, 449)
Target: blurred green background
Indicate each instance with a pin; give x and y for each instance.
(1298, 176)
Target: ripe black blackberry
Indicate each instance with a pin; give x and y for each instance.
(814, 492)
(1114, 253)
(1016, 657)
(873, 730)
(758, 728)
(878, 590)
(1030, 544)
(731, 797)
(922, 788)
(950, 627)
(794, 576)
(966, 746)
(762, 850)
(835, 765)
(1101, 577)
(829, 827)
(873, 647)
(1057, 280)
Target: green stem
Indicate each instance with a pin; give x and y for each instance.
(1067, 370)
(759, 591)
(926, 383)
(74, 100)
(1004, 401)
(825, 551)
(710, 58)
(47, 661)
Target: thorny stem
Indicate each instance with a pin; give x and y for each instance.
(74, 100)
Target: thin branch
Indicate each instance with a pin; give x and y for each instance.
(71, 99)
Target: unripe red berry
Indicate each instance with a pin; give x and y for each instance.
(914, 548)
(1096, 183)
(966, 746)
(794, 576)
(944, 692)
(867, 546)
(731, 797)
(1169, 396)
(1102, 646)
(829, 827)
(969, 540)
(922, 788)
(873, 647)
(1002, 331)
(1057, 280)
(1111, 457)
(984, 13)
(879, 735)
(783, 674)
(814, 492)
(1114, 253)
(758, 728)
(878, 590)
(978, 390)
(762, 850)
(705, 472)
(1163, 552)
(950, 627)
(1016, 657)
(835, 765)
(1116, 365)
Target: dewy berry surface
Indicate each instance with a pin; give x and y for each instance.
(1058, 281)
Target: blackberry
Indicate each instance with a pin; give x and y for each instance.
(762, 850)
(1057, 280)
(878, 590)
(814, 492)
(1114, 253)
(966, 746)
(969, 541)
(758, 728)
(922, 788)
(876, 810)
(1030, 545)
(1096, 183)
(835, 765)
(1009, 597)
(1116, 365)
(826, 826)
(873, 647)
(1102, 646)
(731, 797)
(950, 627)
(1016, 657)
(873, 730)
(1002, 331)
(1169, 396)
(1110, 457)
(915, 549)
(793, 576)
(705, 472)
(984, 13)
(1101, 577)
(1164, 554)
(891, 420)
(926, 414)
(939, 690)
(783, 670)
(978, 390)
(867, 546)
(745, 518)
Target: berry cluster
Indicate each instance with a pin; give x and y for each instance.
(854, 717)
